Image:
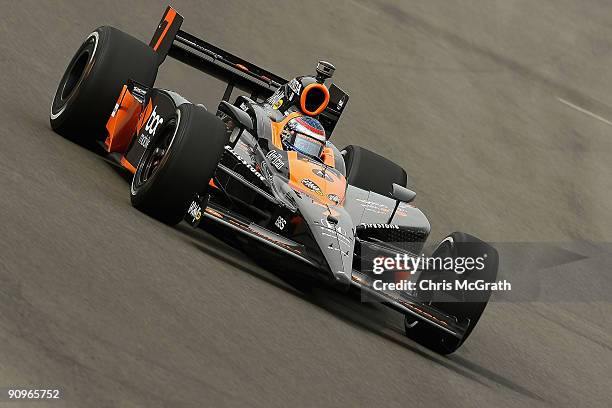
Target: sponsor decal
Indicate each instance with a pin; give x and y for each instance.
(384, 226)
(247, 164)
(280, 223)
(342, 239)
(278, 104)
(195, 211)
(139, 94)
(276, 159)
(374, 206)
(150, 128)
(295, 86)
(241, 145)
(333, 198)
(340, 104)
(214, 213)
(312, 186)
(144, 140)
(276, 96)
(154, 121)
(115, 110)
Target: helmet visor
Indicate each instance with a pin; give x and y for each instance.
(306, 144)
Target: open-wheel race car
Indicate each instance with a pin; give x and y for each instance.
(260, 170)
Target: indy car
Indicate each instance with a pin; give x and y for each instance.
(260, 171)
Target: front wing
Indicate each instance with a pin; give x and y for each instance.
(400, 301)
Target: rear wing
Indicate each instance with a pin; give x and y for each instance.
(170, 40)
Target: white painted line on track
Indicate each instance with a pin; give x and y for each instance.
(586, 112)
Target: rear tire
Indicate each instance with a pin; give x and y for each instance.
(89, 88)
(372, 172)
(457, 245)
(193, 142)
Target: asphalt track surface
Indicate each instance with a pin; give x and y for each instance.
(498, 109)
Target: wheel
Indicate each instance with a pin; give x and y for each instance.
(178, 163)
(372, 172)
(465, 306)
(89, 88)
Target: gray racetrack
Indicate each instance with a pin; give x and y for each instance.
(498, 109)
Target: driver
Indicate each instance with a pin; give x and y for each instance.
(304, 135)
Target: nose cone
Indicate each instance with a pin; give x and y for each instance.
(332, 228)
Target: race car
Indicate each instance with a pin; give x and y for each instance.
(261, 172)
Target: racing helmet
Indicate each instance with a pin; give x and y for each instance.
(304, 134)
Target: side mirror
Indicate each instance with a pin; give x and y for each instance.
(402, 193)
(240, 117)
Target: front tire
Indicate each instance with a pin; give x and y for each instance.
(460, 304)
(87, 92)
(178, 163)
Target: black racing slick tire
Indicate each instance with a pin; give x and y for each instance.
(465, 306)
(92, 82)
(372, 172)
(178, 163)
